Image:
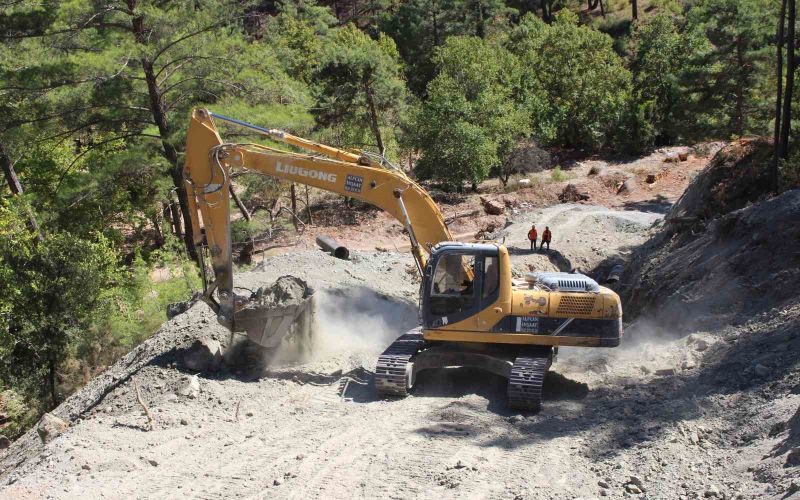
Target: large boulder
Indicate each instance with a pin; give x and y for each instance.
(572, 194)
(50, 427)
(629, 186)
(493, 207)
(204, 355)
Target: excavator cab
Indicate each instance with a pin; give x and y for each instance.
(460, 281)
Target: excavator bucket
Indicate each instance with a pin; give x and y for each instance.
(282, 311)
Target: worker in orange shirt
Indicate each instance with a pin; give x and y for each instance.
(533, 235)
(546, 237)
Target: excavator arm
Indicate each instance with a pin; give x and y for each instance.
(209, 162)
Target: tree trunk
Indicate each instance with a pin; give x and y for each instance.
(786, 122)
(739, 89)
(242, 208)
(176, 172)
(593, 4)
(293, 193)
(157, 228)
(160, 119)
(166, 212)
(51, 381)
(776, 137)
(480, 24)
(373, 118)
(308, 209)
(634, 9)
(176, 217)
(16, 190)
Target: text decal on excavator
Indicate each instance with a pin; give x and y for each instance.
(353, 183)
(304, 172)
(528, 324)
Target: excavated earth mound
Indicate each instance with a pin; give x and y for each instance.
(742, 263)
(737, 176)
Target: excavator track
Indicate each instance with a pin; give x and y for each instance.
(526, 379)
(392, 374)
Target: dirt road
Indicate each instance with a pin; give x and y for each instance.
(648, 419)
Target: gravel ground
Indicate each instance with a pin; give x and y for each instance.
(686, 416)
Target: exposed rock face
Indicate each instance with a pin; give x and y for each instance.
(493, 207)
(736, 176)
(50, 427)
(755, 246)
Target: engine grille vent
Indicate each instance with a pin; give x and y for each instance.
(571, 285)
(563, 282)
(576, 305)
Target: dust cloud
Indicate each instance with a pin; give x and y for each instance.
(345, 323)
(358, 320)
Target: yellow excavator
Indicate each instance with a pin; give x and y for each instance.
(473, 313)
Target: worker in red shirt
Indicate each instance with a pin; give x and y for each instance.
(533, 235)
(546, 237)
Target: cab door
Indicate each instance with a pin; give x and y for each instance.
(451, 294)
(457, 290)
(489, 292)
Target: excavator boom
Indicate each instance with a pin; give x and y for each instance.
(209, 162)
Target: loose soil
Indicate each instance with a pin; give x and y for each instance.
(680, 410)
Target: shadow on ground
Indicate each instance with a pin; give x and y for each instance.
(659, 205)
(451, 383)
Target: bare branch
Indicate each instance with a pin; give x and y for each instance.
(186, 37)
(181, 59)
(95, 146)
(150, 419)
(200, 78)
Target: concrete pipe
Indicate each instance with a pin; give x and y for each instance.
(333, 247)
(615, 273)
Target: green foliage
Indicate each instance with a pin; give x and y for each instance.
(50, 289)
(131, 311)
(574, 85)
(660, 53)
(558, 175)
(360, 83)
(637, 126)
(242, 230)
(419, 27)
(470, 121)
(727, 68)
(21, 412)
(298, 35)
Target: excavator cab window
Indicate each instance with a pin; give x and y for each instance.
(453, 285)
